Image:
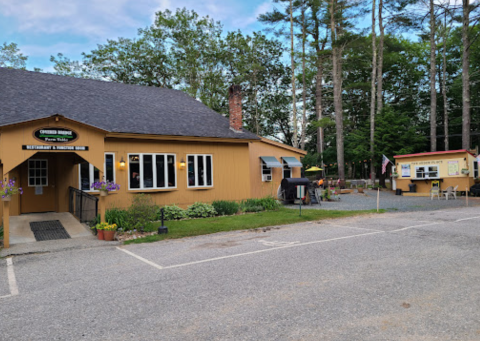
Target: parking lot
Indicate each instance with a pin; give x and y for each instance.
(394, 276)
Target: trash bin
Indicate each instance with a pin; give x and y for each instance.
(413, 188)
(398, 191)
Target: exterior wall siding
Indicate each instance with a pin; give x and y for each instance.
(261, 188)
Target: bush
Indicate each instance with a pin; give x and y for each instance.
(142, 211)
(253, 208)
(224, 207)
(172, 213)
(253, 205)
(117, 216)
(201, 210)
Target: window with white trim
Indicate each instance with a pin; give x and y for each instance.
(266, 172)
(475, 169)
(152, 171)
(287, 171)
(427, 172)
(37, 172)
(89, 174)
(200, 170)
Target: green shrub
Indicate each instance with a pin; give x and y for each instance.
(172, 213)
(141, 212)
(253, 208)
(201, 210)
(1, 231)
(267, 203)
(117, 216)
(150, 227)
(224, 207)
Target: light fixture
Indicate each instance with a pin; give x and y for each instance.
(122, 163)
(182, 164)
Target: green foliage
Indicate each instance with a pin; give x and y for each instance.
(1, 231)
(11, 57)
(254, 204)
(141, 212)
(172, 213)
(326, 194)
(224, 207)
(117, 216)
(201, 210)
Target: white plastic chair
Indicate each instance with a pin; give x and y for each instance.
(451, 192)
(435, 191)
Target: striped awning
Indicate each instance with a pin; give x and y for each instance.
(292, 161)
(271, 162)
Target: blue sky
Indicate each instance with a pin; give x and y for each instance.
(43, 28)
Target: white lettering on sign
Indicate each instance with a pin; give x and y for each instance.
(76, 148)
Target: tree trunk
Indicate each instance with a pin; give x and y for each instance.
(433, 90)
(466, 76)
(337, 92)
(304, 92)
(318, 105)
(444, 84)
(372, 92)
(379, 74)
(294, 104)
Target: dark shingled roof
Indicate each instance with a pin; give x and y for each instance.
(114, 107)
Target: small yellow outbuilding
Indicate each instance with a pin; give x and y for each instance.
(450, 168)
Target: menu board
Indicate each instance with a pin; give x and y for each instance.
(453, 168)
(406, 171)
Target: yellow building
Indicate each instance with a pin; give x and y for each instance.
(58, 135)
(449, 168)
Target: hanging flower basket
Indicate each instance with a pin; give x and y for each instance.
(465, 171)
(395, 175)
(8, 189)
(105, 186)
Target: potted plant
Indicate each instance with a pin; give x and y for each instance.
(109, 231)
(105, 186)
(8, 189)
(465, 171)
(395, 175)
(99, 228)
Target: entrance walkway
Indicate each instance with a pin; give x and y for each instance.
(22, 240)
(20, 231)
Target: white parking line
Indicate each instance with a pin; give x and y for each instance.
(12, 282)
(141, 258)
(245, 253)
(471, 218)
(412, 227)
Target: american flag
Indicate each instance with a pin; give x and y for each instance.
(385, 162)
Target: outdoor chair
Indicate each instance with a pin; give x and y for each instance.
(450, 191)
(435, 191)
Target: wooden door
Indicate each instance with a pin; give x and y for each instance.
(38, 183)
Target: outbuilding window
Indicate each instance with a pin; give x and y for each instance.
(89, 174)
(151, 171)
(200, 170)
(427, 172)
(287, 171)
(475, 169)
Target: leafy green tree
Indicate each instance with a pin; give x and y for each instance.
(11, 57)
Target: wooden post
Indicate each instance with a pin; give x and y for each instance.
(378, 199)
(101, 208)
(6, 224)
(466, 194)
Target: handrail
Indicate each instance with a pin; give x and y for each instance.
(82, 205)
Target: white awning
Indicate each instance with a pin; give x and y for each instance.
(271, 162)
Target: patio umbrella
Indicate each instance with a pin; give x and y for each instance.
(313, 169)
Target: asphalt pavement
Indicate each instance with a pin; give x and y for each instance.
(394, 276)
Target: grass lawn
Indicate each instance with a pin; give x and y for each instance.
(283, 216)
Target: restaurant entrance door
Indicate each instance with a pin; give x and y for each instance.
(37, 179)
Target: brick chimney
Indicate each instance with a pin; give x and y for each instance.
(235, 104)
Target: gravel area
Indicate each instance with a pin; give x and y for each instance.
(390, 202)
